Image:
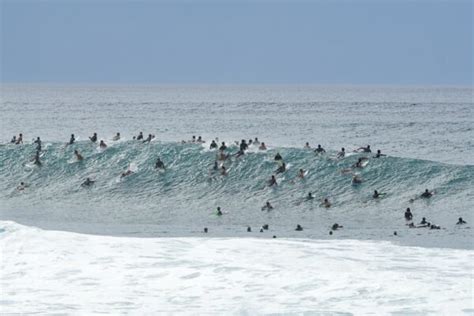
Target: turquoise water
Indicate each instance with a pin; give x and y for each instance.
(426, 133)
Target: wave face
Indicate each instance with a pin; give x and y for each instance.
(183, 199)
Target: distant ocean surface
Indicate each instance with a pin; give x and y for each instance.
(426, 132)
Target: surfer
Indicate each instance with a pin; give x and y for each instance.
(365, 149)
(116, 137)
(22, 186)
(301, 174)
(461, 221)
(102, 144)
(13, 141)
(423, 221)
(356, 179)
(19, 140)
(309, 196)
(36, 159)
(159, 164)
(282, 168)
(377, 194)
(336, 226)
(148, 139)
(72, 139)
(223, 171)
(213, 145)
(359, 163)
(256, 141)
(326, 203)
(140, 136)
(78, 155)
(87, 183)
(427, 194)
(307, 146)
(243, 146)
(93, 138)
(199, 140)
(433, 226)
(408, 214)
(379, 154)
(223, 147)
(278, 157)
(219, 212)
(126, 173)
(319, 150)
(272, 181)
(38, 143)
(262, 146)
(267, 207)
(298, 228)
(341, 154)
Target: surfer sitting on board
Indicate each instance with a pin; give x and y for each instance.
(262, 146)
(159, 164)
(116, 137)
(93, 138)
(319, 150)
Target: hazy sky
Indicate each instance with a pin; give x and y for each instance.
(322, 42)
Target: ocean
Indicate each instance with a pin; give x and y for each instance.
(150, 224)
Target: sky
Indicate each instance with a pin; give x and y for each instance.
(237, 42)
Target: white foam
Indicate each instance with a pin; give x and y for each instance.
(59, 272)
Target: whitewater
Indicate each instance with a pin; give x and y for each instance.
(137, 244)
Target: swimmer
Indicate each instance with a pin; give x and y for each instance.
(19, 140)
(87, 183)
(272, 181)
(267, 207)
(336, 226)
(13, 141)
(307, 146)
(22, 186)
(102, 144)
(38, 143)
(72, 139)
(282, 168)
(223, 147)
(408, 214)
(219, 212)
(461, 221)
(213, 145)
(148, 139)
(365, 149)
(93, 138)
(341, 154)
(299, 228)
(78, 155)
(427, 194)
(326, 203)
(356, 179)
(262, 146)
(140, 136)
(423, 221)
(309, 196)
(278, 157)
(223, 171)
(159, 164)
(301, 174)
(256, 141)
(116, 137)
(319, 150)
(379, 154)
